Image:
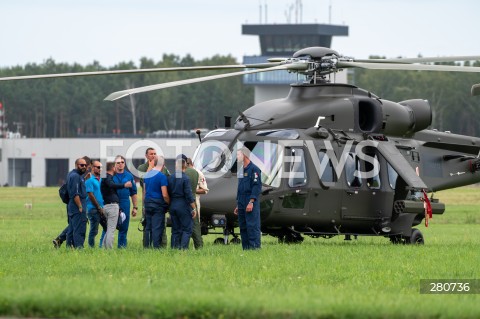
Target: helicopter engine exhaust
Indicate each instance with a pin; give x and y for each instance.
(406, 117)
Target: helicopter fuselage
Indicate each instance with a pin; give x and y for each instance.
(336, 159)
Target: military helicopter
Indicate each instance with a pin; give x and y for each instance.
(336, 160)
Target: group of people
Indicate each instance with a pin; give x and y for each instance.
(176, 193)
(106, 201)
(95, 199)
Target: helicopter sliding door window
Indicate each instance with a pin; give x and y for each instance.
(392, 176)
(297, 175)
(327, 171)
(352, 168)
(372, 182)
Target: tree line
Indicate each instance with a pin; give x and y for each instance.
(71, 107)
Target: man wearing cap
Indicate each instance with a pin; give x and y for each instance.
(182, 206)
(248, 200)
(193, 177)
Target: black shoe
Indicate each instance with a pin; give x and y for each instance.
(57, 243)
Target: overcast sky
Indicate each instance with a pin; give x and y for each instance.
(112, 31)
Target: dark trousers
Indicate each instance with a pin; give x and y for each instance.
(78, 227)
(147, 235)
(182, 223)
(155, 221)
(66, 234)
(123, 230)
(94, 219)
(249, 224)
(197, 233)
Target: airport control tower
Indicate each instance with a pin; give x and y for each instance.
(282, 40)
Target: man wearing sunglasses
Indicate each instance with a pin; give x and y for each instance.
(94, 201)
(77, 205)
(123, 176)
(67, 233)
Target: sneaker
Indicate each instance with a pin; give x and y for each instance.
(57, 243)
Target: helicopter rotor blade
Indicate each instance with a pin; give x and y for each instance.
(421, 60)
(119, 94)
(133, 71)
(407, 67)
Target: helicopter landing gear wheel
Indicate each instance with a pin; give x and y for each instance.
(290, 238)
(235, 241)
(416, 238)
(397, 240)
(219, 241)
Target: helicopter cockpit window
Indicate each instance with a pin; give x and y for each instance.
(211, 157)
(352, 165)
(297, 175)
(392, 176)
(268, 157)
(284, 134)
(327, 170)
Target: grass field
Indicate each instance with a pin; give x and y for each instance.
(367, 278)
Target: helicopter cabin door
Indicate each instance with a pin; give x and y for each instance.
(363, 199)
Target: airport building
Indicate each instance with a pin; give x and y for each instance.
(46, 162)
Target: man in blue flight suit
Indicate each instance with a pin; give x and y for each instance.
(248, 200)
(182, 206)
(77, 204)
(121, 177)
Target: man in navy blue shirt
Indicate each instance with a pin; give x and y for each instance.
(156, 201)
(182, 207)
(248, 196)
(77, 204)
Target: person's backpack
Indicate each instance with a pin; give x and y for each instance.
(63, 193)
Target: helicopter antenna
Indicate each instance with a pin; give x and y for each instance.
(317, 125)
